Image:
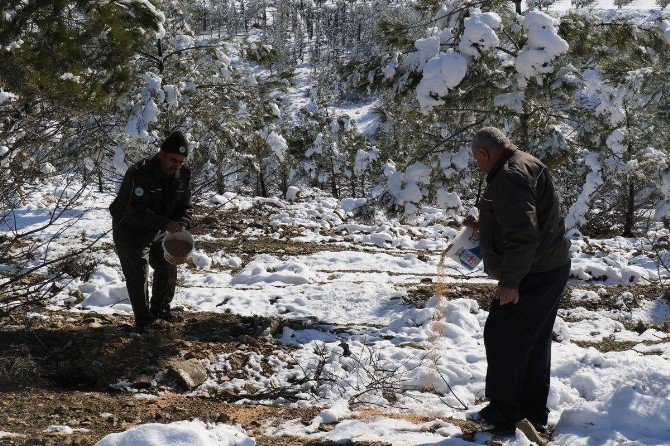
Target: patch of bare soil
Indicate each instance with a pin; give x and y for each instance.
(71, 350)
(248, 232)
(60, 371)
(228, 222)
(30, 412)
(418, 295)
(607, 344)
(609, 296)
(253, 245)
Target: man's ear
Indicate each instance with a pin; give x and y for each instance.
(483, 153)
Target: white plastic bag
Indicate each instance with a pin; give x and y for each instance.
(466, 250)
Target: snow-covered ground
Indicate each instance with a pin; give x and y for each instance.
(353, 325)
(179, 433)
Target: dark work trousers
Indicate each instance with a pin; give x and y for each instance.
(136, 252)
(517, 338)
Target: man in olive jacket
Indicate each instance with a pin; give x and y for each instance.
(522, 236)
(154, 198)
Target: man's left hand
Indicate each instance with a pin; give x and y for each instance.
(173, 227)
(507, 295)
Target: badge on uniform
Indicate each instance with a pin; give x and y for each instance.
(182, 149)
(139, 191)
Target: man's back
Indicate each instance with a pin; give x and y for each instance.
(520, 221)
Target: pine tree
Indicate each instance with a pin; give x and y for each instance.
(540, 4)
(620, 3)
(621, 135)
(581, 4)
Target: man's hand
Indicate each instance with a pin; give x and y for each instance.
(173, 227)
(507, 295)
(471, 222)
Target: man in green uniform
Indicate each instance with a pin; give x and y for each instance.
(154, 198)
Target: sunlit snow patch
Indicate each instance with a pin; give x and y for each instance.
(269, 270)
(108, 299)
(629, 416)
(396, 432)
(180, 433)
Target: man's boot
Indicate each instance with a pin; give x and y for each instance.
(166, 314)
(143, 325)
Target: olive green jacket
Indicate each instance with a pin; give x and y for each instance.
(148, 200)
(520, 223)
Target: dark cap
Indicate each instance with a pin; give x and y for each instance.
(175, 143)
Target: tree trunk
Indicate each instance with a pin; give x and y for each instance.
(161, 63)
(265, 17)
(244, 16)
(629, 219)
(629, 222)
(220, 182)
(261, 179)
(261, 188)
(333, 180)
(524, 137)
(284, 173)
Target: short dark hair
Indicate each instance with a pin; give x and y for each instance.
(491, 138)
(175, 143)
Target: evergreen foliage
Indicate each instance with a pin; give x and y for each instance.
(281, 93)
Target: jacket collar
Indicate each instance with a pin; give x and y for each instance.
(155, 162)
(507, 154)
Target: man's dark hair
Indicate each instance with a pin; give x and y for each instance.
(492, 138)
(175, 143)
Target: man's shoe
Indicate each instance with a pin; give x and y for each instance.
(143, 325)
(475, 417)
(503, 430)
(493, 420)
(166, 315)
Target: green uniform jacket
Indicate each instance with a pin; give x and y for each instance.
(520, 223)
(148, 200)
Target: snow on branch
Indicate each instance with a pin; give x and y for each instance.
(577, 213)
(6, 96)
(543, 46)
(441, 73)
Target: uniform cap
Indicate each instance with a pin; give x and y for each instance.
(175, 143)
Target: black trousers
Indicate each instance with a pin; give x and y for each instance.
(517, 338)
(136, 252)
